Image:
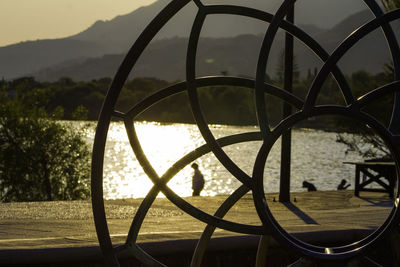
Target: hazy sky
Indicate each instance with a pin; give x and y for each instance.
(22, 20)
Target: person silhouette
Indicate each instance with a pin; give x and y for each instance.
(197, 180)
(343, 185)
(309, 186)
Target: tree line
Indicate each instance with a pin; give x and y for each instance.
(42, 158)
(221, 104)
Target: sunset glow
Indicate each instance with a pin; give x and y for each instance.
(24, 20)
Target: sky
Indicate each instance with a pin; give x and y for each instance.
(23, 20)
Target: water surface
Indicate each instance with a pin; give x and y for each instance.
(316, 157)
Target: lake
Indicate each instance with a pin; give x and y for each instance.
(316, 157)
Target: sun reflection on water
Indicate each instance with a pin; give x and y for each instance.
(164, 144)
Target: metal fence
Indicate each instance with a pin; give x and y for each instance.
(304, 109)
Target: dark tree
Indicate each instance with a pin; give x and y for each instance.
(40, 157)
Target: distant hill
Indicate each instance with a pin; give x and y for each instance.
(165, 58)
(98, 50)
(28, 57)
(122, 30)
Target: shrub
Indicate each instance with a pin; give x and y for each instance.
(40, 157)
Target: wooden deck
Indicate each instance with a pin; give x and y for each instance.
(70, 224)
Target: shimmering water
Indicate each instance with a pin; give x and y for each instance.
(316, 157)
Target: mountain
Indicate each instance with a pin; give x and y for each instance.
(122, 30)
(109, 40)
(24, 58)
(369, 54)
(165, 58)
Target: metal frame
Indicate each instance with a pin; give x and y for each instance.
(304, 109)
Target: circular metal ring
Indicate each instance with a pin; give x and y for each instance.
(334, 253)
(255, 183)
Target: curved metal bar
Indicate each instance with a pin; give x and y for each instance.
(302, 36)
(209, 230)
(389, 34)
(378, 93)
(143, 256)
(106, 112)
(140, 216)
(395, 51)
(130, 243)
(140, 155)
(341, 252)
(191, 57)
(258, 169)
(349, 42)
(212, 81)
(169, 91)
(256, 182)
(204, 217)
(263, 245)
(195, 105)
(307, 249)
(188, 208)
(160, 185)
(262, 66)
(198, 3)
(177, 88)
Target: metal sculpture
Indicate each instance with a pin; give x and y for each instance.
(304, 109)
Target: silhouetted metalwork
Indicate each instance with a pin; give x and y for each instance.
(286, 142)
(304, 109)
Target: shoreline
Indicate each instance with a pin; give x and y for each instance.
(53, 231)
(312, 211)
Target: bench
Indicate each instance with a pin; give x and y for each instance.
(379, 172)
